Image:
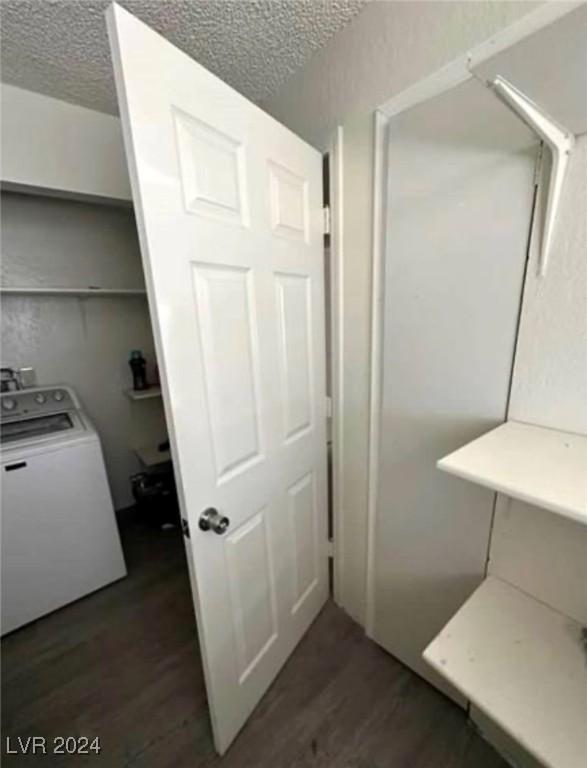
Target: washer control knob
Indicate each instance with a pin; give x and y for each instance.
(58, 395)
(8, 404)
(40, 398)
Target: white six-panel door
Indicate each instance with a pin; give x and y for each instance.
(228, 204)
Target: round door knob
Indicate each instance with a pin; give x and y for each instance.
(212, 520)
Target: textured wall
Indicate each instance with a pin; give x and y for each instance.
(82, 342)
(388, 47)
(550, 381)
(541, 553)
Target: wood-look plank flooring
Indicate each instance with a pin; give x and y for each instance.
(123, 665)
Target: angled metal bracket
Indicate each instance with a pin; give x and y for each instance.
(559, 141)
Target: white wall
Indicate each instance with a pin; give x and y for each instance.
(453, 278)
(541, 553)
(54, 146)
(388, 47)
(82, 342)
(550, 378)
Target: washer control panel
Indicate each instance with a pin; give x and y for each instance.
(40, 401)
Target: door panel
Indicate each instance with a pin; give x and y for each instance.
(212, 169)
(293, 302)
(252, 591)
(231, 365)
(303, 519)
(228, 205)
(289, 203)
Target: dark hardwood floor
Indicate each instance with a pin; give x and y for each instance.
(123, 665)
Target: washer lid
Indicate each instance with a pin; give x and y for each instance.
(40, 428)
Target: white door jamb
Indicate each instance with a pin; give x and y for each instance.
(335, 152)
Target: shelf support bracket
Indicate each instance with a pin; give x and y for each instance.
(560, 143)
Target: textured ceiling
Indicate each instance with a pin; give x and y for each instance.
(60, 47)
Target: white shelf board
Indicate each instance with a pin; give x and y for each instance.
(524, 665)
(55, 291)
(150, 455)
(540, 466)
(143, 394)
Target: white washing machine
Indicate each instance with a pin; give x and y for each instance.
(59, 535)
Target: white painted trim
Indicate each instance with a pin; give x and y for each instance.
(458, 71)
(55, 291)
(435, 84)
(337, 348)
(377, 294)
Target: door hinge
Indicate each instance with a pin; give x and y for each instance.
(326, 215)
(538, 164)
(185, 528)
(328, 407)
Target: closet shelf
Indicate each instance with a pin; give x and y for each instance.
(143, 394)
(53, 291)
(150, 455)
(524, 665)
(544, 467)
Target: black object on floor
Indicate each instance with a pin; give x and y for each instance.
(156, 498)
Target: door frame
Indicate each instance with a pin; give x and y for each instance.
(448, 77)
(335, 152)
